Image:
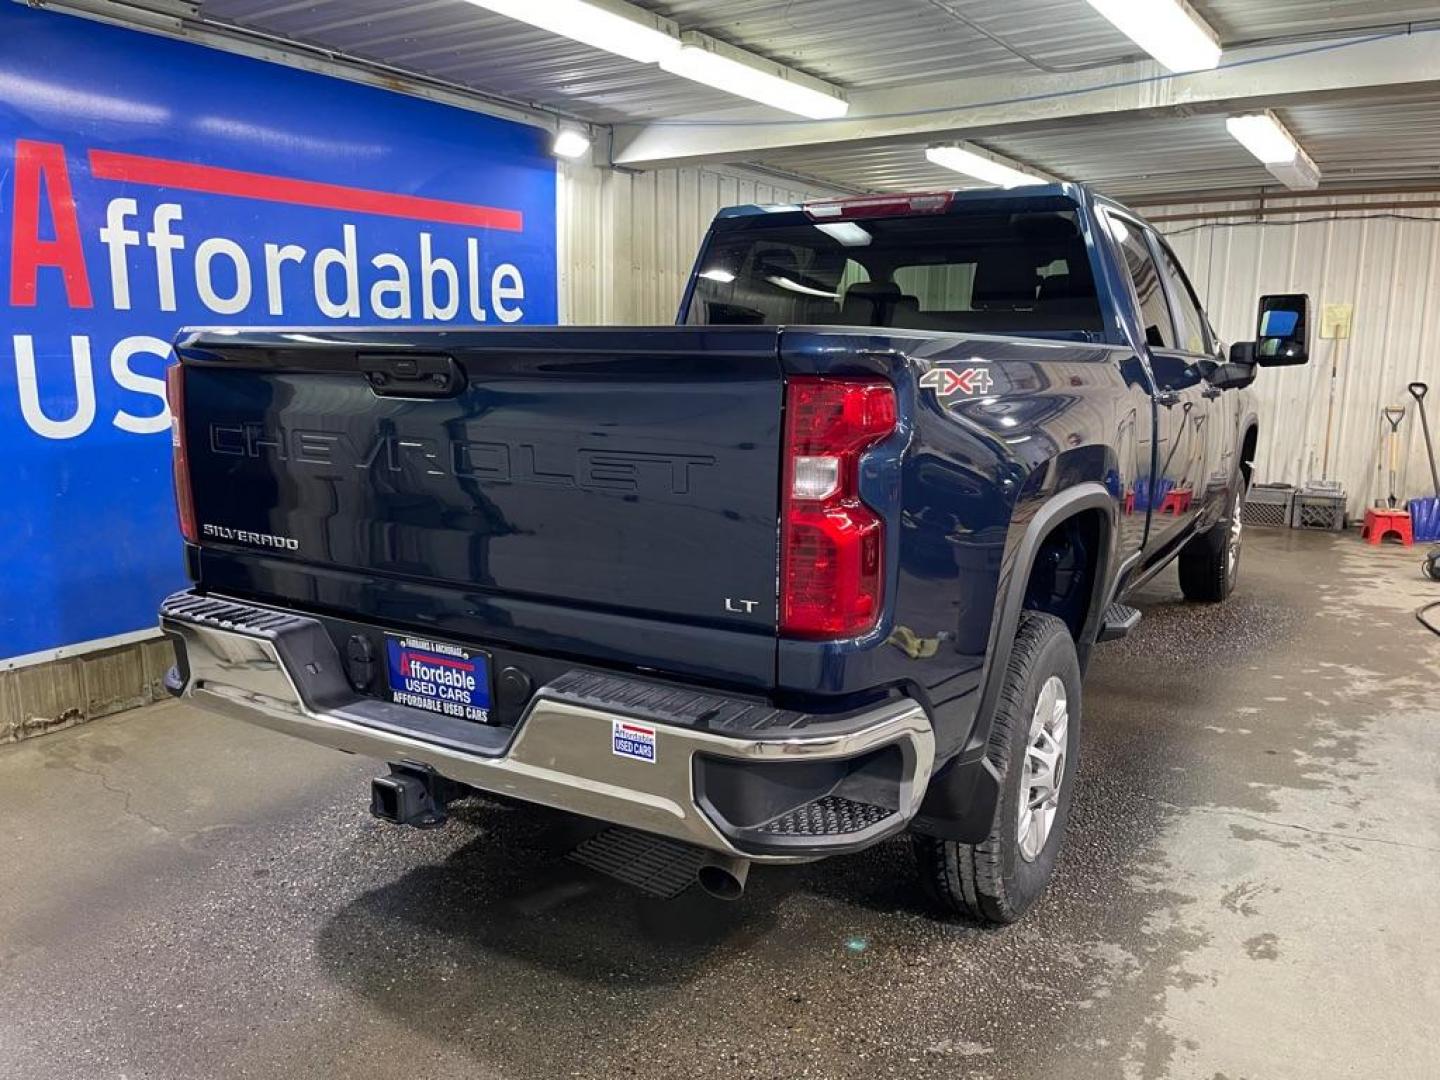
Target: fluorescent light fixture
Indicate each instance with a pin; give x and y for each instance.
(724, 277)
(705, 60)
(636, 34)
(1275, 148)
(847, 232)
(981, 165)
(618, 28)
(1169, 30)
(570, 143)
(1264, 136)
(1302, 174)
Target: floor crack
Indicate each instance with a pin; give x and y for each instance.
(124, 795)
(1326, 833)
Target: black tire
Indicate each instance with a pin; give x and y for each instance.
(1210, 563)
(995, 881)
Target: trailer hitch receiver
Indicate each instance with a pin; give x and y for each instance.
(414, 795)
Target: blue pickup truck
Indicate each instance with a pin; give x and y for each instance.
(821, 564)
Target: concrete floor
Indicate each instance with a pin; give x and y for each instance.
(1251, 888)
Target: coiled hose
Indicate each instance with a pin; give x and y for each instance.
(1431, 569)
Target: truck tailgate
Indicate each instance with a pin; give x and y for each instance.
(634, 472)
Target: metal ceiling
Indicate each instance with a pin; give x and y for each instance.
(864, 45)
(874, 45)
(1355, 144)
(854, 43)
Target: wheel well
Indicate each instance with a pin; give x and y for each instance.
(1247, 451)
(1062, 578)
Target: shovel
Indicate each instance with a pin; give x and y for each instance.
(1425, 513)
(1394, 414)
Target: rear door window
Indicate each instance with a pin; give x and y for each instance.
(1189, 319)
(1145, 278)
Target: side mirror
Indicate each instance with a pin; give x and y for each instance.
(1283, 334)
(1235, 374)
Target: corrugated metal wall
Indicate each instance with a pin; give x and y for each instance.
(1384, 261)
(627, 241)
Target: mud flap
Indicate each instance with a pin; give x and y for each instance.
(960, 802)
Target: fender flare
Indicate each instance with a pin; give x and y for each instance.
(1089, 495)
(960, 803)
(1248, 423)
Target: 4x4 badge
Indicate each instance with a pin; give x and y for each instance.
(946, 382)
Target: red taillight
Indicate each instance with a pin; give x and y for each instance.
(832, 554)
(184, 502)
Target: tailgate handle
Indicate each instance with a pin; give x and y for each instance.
(412, 374)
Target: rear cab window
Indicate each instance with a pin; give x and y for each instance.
(1024, 272)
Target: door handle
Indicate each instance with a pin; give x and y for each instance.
(1211, 392)
(1167, 397)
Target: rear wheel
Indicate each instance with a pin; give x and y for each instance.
(1210, 563)
(1034, 746)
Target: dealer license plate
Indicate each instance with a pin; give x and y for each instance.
(438, 677)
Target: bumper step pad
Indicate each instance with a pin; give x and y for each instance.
(231, 615)
(667, 704)
(652, 864)
(830, 815)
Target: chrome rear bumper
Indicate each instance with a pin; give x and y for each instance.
(279, 670)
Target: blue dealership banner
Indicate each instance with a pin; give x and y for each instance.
(148, 184)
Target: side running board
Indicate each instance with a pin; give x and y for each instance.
(1118, 622)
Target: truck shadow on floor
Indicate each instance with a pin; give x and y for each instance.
(532, 966)
(509, 895)
(474, 947)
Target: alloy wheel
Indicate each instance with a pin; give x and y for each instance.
(1043, 772)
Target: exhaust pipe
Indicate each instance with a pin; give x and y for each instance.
(724, 878)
